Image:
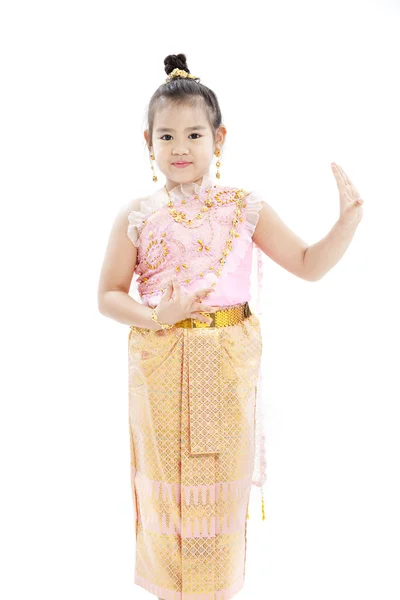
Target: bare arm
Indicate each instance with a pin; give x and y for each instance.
(280, 243)
(116, 276)
(322, 256)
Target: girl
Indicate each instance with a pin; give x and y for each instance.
(195, 409)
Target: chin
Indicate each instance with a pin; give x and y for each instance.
(183, 174)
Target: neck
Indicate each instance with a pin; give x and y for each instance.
(170, 185)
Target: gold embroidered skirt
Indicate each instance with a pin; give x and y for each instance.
(192, 434)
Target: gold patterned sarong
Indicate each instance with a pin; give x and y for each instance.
(192, 427)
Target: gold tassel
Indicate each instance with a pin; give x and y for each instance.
(262, 505)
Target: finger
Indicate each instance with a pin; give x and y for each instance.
(194, 296)
(169, 290)
(340, 180)
(344, 175)
(351, 187)
(176, 287)
(204, 291)
(202, 307)
(200, 317)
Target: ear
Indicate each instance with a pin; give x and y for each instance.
(146, 137)
(220, 135)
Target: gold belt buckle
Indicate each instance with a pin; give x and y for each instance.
(195, 323)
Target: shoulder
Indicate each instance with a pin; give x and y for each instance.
(135, 212)
(130, 216)
(133, 209)
(132, 205)
(253, 202)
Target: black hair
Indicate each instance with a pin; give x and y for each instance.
(182, 90)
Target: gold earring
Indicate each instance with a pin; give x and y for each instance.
(218, 164)
(152, 166)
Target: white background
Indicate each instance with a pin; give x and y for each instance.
(300, 84)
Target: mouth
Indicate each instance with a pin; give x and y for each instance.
(181, 164)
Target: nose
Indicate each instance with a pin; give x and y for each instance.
(179, 151)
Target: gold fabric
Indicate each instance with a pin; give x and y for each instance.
(192, 410)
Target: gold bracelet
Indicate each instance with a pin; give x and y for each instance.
(155, 318)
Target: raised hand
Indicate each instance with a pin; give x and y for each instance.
(175, 306)
(350, 201)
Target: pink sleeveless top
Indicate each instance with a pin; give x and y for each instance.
(214, 250)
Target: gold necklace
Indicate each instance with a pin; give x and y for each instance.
(180, 217)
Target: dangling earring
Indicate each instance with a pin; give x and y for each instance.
(218, 164)
(152, 166)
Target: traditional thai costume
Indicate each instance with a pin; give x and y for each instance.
(195, 397)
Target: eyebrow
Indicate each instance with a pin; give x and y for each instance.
(161, 129)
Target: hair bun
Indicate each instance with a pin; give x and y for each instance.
(175, 61)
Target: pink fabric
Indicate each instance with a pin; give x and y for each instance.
(187, 528)
(153, 230)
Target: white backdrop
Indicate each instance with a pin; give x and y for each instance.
(301, 84)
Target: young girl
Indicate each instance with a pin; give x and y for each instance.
(195, 405)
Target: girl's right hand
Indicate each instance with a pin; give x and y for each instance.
(175, 306)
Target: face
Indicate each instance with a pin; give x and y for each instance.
(182, 133)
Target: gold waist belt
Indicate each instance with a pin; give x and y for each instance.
(220, 318)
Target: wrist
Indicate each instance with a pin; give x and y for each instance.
(152, 324)
(347, 223)
(161, 324)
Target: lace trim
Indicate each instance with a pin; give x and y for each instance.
(183, 191)
(254, 204)
(136, 217)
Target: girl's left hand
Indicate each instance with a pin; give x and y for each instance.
(350, 201)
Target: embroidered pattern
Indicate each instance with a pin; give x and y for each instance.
(160, 255)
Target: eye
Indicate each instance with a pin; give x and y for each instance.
(167, 134)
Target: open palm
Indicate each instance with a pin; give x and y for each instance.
(350, 201)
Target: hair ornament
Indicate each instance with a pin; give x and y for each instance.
(180, 73)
